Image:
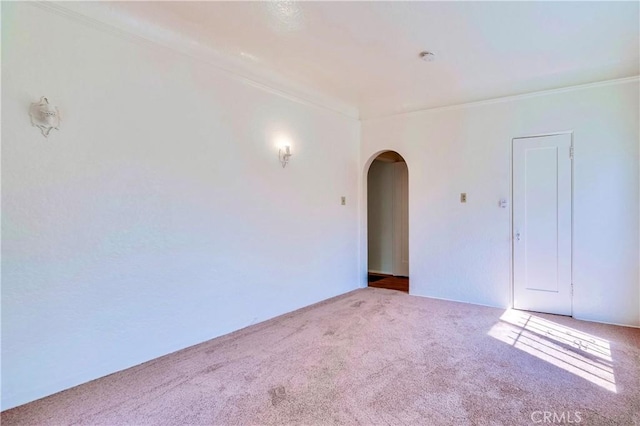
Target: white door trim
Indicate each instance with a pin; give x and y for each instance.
(363, 209)
(400, 219)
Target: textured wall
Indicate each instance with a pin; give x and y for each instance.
(463, 251)
(158, 216)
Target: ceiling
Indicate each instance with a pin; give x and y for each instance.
(365, 55)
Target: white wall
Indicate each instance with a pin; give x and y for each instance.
(380, 217)
(462, 251)
(158, 216)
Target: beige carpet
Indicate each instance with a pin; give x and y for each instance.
(370, 357)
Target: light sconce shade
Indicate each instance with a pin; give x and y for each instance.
(44, 116)
(284, 154)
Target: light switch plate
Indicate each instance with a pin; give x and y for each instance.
(463, 197)
(343, 200)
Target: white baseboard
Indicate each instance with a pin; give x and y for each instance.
(379, 272)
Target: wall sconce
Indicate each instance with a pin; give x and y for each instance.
(44, 116)
(284, 154)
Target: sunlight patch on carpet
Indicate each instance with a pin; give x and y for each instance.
(579, 353)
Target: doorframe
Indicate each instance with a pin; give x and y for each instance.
(398, 222)
(364, 232)
(511, 266)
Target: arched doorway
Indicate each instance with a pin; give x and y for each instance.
(388, 222)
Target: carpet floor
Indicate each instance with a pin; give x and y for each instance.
(371, 357)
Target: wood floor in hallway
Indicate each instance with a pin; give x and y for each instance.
(389, 282)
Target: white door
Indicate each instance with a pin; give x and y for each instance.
(401, 219)
(542, 224)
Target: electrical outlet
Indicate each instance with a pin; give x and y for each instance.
(463, 197)
(343, 201)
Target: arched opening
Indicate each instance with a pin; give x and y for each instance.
(388, 222)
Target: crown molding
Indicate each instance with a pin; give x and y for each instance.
(605, 83)
(272, 84)
(275, 84)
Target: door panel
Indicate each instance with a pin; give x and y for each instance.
(542, 224)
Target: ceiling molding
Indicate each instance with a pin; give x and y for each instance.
(135, 31)
(287, 90)
(626, 80)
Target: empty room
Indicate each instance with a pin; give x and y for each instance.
(314, 213)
